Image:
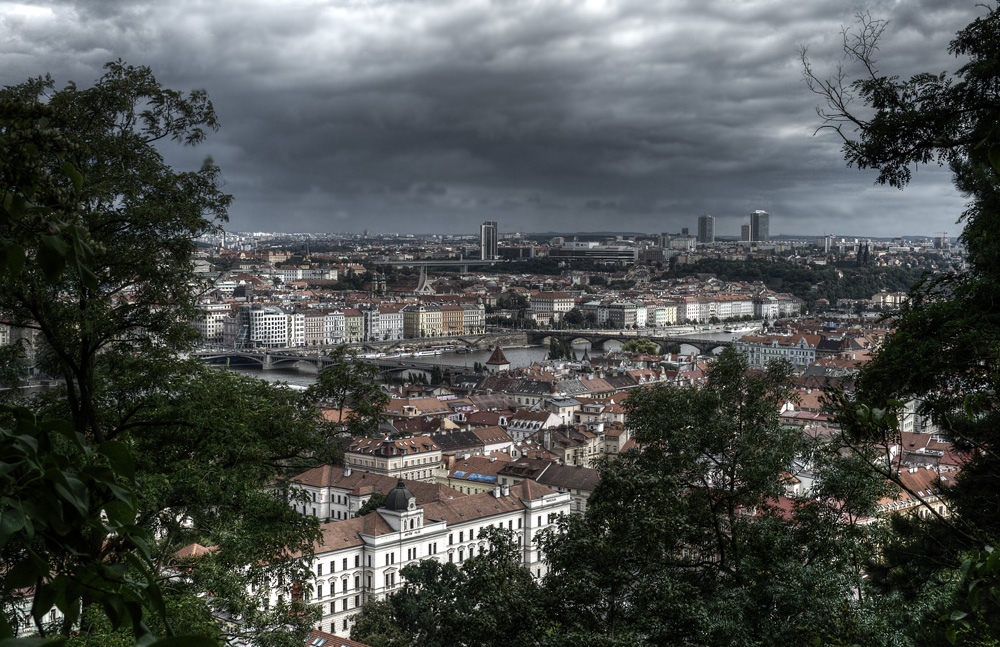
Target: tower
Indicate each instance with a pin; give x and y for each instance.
(706, 228)
(759, 221)
(488, 235)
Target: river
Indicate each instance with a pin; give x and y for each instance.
(518, 357)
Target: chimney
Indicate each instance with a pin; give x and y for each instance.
(347, 469)
(506, 490)
(496, 491)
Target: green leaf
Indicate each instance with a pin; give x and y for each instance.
(11, 521)
(52, 257)
(119, 457)
(73, 175)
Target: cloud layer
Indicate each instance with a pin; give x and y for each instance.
(434, 115)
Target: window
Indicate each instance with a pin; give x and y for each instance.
(345, 585)
(345, 624)
(357, 582)
(345, 604)
(319, 569)
(357, 601)
(333, 607)
(369, 561)
(518, 523)
(461, 536)
(357, 561)
(319, 590)
(345, 564)
(461, 554)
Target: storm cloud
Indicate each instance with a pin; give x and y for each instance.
(577, 115)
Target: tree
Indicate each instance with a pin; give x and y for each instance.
(375, 625)
(351, 387)
(374, 502)
(944, 351)
(96, 238)
(642, 345)
(491, 600)
(133, 293)
(574, 318)
(690, 541)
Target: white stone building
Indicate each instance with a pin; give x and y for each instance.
(360, 559)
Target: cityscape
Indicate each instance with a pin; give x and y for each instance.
(486, 323)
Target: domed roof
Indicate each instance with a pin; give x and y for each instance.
(398, 498)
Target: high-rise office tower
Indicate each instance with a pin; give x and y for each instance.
(758, 226)
(488, 236)
(706, 228)
(745, 233)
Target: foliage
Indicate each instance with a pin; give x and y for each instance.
(125, 238)
(138, 445)
(641, 345)
(374, 502)
(808, 282)
(375, 625)
(351, 384)
(491, 600)
(59, 497)
(574, 318)
(559, 349)
(509, 300)
(944, 352)
(598, 281)
(686, 542)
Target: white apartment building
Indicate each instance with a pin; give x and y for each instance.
(558, 303)
(391, 320)
(209, 322)
(407, 458)
(689, 310)
(333, 327)
(269, 327)
(641, 314)
(760, 350)
(474, 318)
(360, 559)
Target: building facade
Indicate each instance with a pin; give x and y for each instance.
(360, 559)
(759, 226)
(706, 229)
(489, 235)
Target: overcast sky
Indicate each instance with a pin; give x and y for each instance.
(434, 115)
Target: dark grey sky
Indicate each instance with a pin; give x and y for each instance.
(434, 115)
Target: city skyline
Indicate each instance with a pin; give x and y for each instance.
(592, 116)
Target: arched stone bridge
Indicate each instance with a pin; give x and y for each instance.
(598, 338)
